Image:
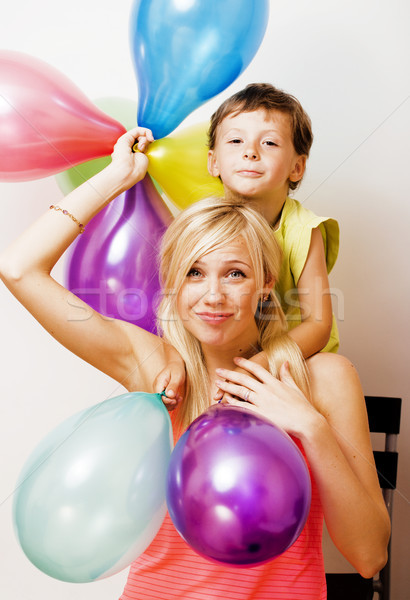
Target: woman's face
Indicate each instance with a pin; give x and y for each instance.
(218, 300)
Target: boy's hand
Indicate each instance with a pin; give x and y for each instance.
(171, 379)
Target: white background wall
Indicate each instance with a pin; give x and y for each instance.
(349, 63)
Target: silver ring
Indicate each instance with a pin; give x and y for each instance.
(246, 397)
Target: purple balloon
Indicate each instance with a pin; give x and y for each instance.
(238, 487)
(113, 266)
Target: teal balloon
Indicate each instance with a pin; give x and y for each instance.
(187, 51)
(91, 497)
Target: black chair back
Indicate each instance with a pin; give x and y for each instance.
(384, 415)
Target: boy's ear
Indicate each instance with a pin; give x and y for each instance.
(212, 164)
(299, 167)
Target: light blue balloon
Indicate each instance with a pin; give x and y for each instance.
(187, 51)
(91, 497)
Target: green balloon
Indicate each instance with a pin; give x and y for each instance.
(91, 497)
(122, 110)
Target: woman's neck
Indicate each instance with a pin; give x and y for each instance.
(217, 358)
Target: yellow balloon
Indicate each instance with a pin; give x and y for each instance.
(179, 164)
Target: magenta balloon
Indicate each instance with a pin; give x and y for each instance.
(113, 266)
(238, 488)
(47, 124)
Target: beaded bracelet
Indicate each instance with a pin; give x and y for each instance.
(65, 212)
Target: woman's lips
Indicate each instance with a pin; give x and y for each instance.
(214, 317)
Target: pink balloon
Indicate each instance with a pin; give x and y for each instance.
(113, 266)
(47, 124)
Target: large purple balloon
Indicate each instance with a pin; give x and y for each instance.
(238, 488)
(113, 266)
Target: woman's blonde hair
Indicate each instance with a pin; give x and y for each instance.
(203, 227)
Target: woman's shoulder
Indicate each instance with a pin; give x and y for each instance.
(329, 364)
(335, 383)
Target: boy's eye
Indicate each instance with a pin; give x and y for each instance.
(235, 141)
(270, 143)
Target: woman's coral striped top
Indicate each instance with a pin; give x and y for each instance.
(170, 570)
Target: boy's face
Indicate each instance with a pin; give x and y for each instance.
(254, 155)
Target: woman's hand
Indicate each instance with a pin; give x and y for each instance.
(280, 400)
(260, 359)
(131, 166)
(172, 378)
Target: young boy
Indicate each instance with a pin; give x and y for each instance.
(259, 141)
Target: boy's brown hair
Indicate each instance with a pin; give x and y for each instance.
(264, 95)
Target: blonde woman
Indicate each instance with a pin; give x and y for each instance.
(219, 263)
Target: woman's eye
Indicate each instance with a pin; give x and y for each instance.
(237, 274)
(194, 273)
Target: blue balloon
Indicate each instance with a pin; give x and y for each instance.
(187, 51)
(91, 497)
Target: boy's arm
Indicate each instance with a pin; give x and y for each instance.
(314, 300)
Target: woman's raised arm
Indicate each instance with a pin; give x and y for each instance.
(125, 352)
